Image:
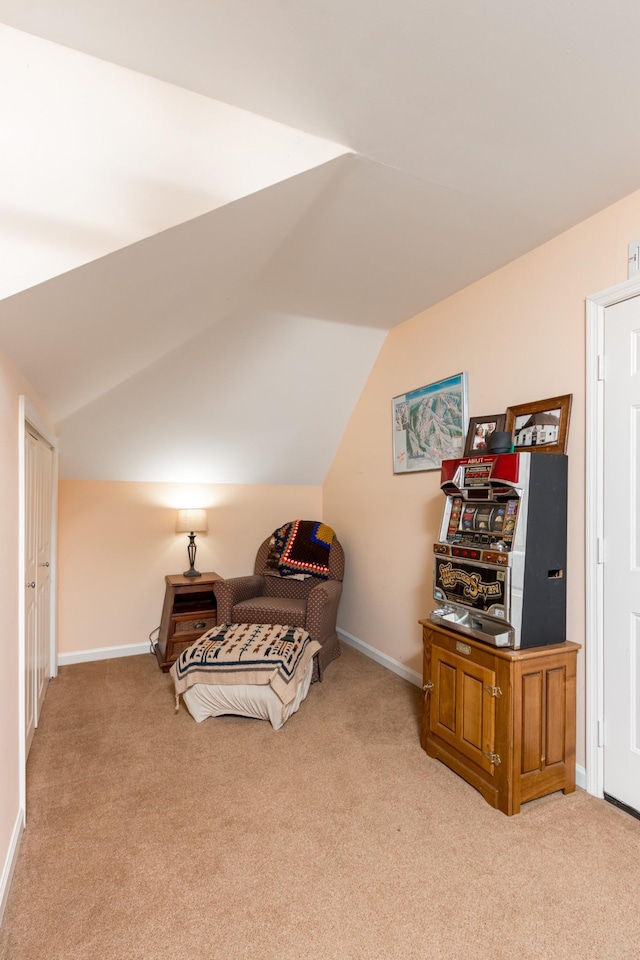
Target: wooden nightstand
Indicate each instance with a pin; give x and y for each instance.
(189, 611)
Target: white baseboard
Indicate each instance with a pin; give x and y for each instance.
(10, 862)
(382, 658)
(416, 678)
(103, 653)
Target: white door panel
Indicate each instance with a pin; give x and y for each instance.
(38, 506)
(30, 574)
(622, 552)
(43, 579)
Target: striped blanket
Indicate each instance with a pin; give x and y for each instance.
(247, 653)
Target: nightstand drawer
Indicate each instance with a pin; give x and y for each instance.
(177, 645)
(197, 625)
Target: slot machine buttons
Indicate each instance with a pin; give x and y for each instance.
(468, 552)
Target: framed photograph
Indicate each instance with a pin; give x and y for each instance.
(541, 427)
(480, 429)
(429, 425)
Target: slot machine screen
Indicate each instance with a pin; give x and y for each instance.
(488, 522)
(483, 518)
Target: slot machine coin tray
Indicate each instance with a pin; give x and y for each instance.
(471, 624)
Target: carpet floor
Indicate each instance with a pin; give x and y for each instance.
(151, 837)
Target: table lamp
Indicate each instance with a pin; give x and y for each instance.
(192, 522)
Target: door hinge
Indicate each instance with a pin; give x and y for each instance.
(600, 550)
(493, 758)
(493, 691)
(601, 733)
(600, 367)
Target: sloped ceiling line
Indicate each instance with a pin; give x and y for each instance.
(470, 141)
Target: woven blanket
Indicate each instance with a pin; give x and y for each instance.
(300, 547)
(247, 653)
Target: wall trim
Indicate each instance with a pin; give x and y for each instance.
(103, 653)
(10, 862)
(382, 658)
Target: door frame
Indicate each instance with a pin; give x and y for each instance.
(596, 307)
(28, 416)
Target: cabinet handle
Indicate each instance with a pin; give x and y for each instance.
(44, 564)
(32, 584)
(199, 625)
(428, 687)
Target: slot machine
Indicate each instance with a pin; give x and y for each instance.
(500, 560)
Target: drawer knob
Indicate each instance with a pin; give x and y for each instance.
(199, 625)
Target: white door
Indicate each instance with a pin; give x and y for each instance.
(30, 575)
(38, 504)
(44, 476)
(622, 552)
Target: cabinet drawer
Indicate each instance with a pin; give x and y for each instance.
(194, 624)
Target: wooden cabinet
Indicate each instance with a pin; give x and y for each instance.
(504, 720)
(189, 611)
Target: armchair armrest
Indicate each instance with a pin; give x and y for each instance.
(230, 592)
(322, 609)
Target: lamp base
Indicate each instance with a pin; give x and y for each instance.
(191, 553)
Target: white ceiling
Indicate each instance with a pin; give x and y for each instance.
(477, 131)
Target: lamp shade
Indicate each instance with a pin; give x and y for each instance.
(192, 521)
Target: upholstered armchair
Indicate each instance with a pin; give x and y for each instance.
(266, 597)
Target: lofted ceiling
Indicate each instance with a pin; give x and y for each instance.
(294, 178)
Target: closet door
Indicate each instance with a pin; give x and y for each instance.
(44, 476)
(38, 506)
(30, 575)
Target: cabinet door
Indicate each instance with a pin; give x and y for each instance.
(463, 711)
(545, 741)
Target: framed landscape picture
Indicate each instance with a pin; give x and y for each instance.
(541, 427)
(429, 425)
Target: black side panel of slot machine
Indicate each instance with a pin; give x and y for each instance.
(544, 609)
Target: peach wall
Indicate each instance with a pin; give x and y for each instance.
(12, 384)
(117, 543)
(520, 335)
